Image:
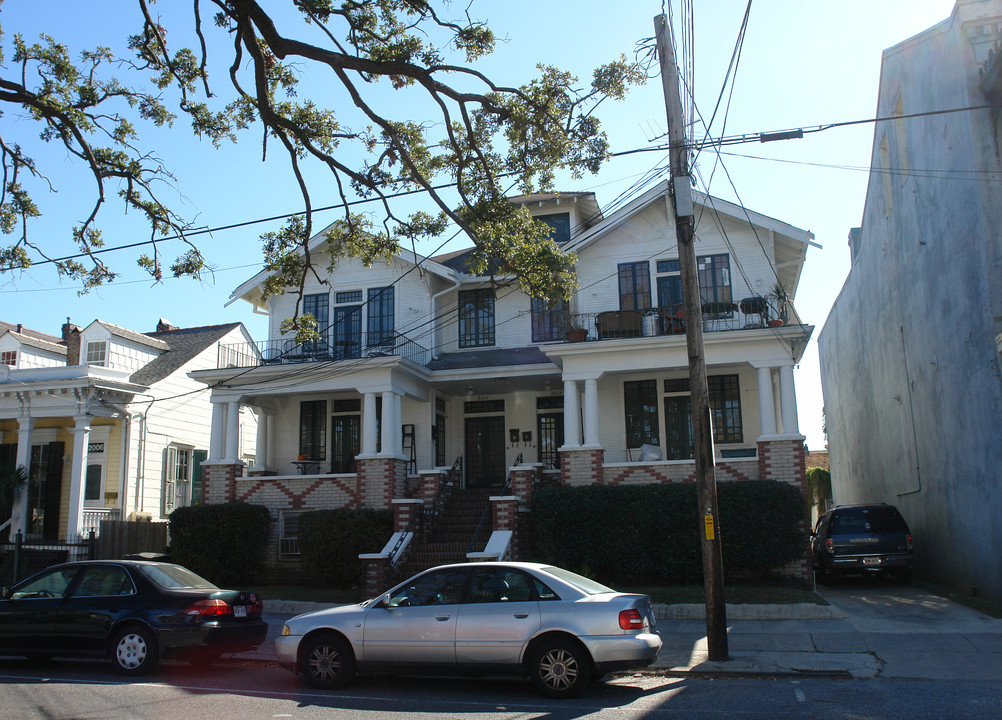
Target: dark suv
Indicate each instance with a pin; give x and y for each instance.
(862, 539)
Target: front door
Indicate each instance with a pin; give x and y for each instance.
(484, 457)
(678, 429)
(345, 442)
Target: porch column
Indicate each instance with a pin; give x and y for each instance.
(591, 424)
(766, 404)
(78, 477)
(388, 432)
(369, 423)
(19, 512)
(217, 433)
(572, 415)
(233, 431)
(788, 397)
(398, 413)
(261, 447)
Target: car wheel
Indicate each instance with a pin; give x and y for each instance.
(560, 669)
(825, 576)
(328, 662)
(134, 651)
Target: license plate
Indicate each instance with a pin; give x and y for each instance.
(871, 561)
(239, 611)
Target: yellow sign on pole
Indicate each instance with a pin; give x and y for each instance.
(708, 522)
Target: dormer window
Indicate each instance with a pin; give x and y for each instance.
(97, 353)
(8, 357)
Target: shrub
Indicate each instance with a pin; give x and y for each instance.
(819, 487)
(331, 540)
(650, 534)
(224, 543)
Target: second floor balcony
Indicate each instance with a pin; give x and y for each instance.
(357, 347)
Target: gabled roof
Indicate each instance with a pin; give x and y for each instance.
(791, 242)
(56, 348)
(130, 335)
(250, 290)
(182, 344)
(27, 332)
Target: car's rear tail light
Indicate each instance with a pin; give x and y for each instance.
(212, 607)
(631, 620)
(829, 545)
(910, 543)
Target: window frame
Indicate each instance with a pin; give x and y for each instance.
(477, 318)
(313, 429)
(639, 423)
(97, 348)
(548, 324)
(380, 325)
(9, 358)
(634, 280)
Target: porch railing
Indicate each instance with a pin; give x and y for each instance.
(92, 518)
(328, 348)
(749, 313)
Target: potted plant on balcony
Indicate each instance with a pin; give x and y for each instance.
(575, 331)
(778, 305)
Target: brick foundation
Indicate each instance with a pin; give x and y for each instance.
(785, 461)
(219, 482)
(381, 479)
(581, 466)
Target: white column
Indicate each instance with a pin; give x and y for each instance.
(572, 414)
(232, 431)
(19, 513)
(398, 413)
(217, 434)
(78, 477)
(387, 432)
(369, 423)
(766, 402)
(591, 418)
(261, 447)
(788, 397)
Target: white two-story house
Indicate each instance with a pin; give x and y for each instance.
(422, 363)
(106, 422)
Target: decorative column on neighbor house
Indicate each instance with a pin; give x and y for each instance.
(78, 477)
(223, 466)
(581, 464)
(19, 513)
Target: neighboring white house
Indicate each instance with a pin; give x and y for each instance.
(420, 363)
(910, 351)
(107, 422)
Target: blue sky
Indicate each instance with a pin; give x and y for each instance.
(803, 64)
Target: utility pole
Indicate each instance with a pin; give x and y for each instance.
(706, 485)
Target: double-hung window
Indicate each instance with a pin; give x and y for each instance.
(548, 320)
(380, 319)
(8, 357)
(634, 286)
(640, 399)
(476, 318)
(318, 306)
(714, 278)
(725, 408)
(97, 353)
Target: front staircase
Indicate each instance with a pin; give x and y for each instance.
(449, 540)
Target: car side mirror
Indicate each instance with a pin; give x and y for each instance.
(383, 601)
(5, 593)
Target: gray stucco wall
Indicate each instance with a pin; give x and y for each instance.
(910, 370)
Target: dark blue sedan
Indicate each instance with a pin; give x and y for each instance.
(133, 612)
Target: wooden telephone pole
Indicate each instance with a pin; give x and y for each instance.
(706, 485)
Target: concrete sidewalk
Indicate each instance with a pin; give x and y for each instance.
(862, 633)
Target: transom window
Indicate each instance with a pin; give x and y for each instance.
(476, 318)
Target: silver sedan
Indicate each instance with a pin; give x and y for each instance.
(557, 627)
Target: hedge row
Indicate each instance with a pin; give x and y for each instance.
(224, 543)
(331, 541)
(650, 534)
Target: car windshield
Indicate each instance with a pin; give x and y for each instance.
(874, 519)
(175, 577)
(579, 581)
